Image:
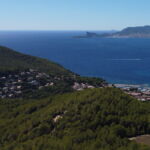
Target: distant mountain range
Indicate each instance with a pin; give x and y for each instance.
(129, 32)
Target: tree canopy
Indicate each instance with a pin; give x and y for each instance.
(93, 119)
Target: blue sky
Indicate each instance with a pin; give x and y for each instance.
(73, 14)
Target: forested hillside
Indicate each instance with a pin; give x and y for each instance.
(11, 60)
(50, 114)
(93, 119)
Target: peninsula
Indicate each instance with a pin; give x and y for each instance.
(129, 32)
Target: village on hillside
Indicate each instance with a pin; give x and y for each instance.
(14, 84)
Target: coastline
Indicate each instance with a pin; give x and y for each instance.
(138, 91)
(141, 87)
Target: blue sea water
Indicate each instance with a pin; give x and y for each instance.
(116, 60)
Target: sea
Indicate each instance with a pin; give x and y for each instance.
(117, 60)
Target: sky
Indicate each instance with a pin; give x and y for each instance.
(73, 14)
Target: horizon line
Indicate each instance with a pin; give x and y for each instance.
(57, 30)
(72, 29)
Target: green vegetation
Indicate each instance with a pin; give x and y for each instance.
(64, 86)
(93, 119)
(13, 63)
(58, 118)
(11, 60)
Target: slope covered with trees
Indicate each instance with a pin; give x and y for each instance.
(93, 119)
(15, 72)
(11, 60)
(58, 118)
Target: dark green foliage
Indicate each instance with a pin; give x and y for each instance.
(91, 80)
(14, 63)
(60, 88)
(98, 119)
(11, 60)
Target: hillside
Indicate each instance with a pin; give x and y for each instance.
(12, 60)
(94, 119)
(141, 30)
(27, 76)
(59, 110)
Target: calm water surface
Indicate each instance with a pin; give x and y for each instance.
(116, 60)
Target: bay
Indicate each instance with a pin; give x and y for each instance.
(125, 61)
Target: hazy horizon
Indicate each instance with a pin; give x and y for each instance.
(100, 30)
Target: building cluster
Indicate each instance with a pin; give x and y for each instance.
(14, 84)
(81, 86)
(140, 95)
(137, 91)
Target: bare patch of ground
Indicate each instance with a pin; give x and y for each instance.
(143, 139)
